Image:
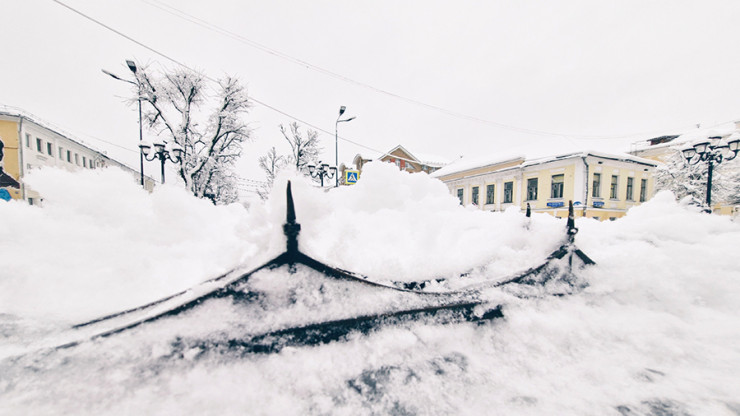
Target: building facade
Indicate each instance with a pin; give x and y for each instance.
(26, 144)
(405, 161)
(601, 186)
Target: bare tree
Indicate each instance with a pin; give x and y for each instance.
(270, 163)
(212, 143)
(304, 149)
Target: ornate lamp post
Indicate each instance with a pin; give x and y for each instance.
(336, 138)
(163, 152)
(712, 152)
(132, 66)
(323, 170)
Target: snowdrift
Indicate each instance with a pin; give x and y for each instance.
(652, 331)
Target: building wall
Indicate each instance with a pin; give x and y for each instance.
(616, 207)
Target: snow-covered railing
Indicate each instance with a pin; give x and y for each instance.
(289, 313)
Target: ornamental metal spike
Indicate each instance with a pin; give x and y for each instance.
(572, 230)
(291, 228)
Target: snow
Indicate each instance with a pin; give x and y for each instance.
(431, 159)
(655, 332)
(466, 163)
(532, 158)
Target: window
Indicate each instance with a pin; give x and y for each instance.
(398, 163)
(643, 190)
(460, 195)
(557, 186)
(30, 201)
(61, 153)
(614, 187)
(38, 145)
(490, 191)
(77, 159)
(69, 156)
(91, 164)
(49, 149)
(84, 161)
(596, 191)
(475, 195)
(531, 189)
(629, 189)
(508, 192)
(28, 140)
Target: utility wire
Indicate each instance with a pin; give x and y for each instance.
(311, 66)
(172, 10)
(175, 61)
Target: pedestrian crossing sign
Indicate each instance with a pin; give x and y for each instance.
(351, 176)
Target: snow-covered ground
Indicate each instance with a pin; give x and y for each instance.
(655, 333)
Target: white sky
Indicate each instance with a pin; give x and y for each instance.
(624, 70)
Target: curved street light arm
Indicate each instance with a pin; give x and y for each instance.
(155, 155)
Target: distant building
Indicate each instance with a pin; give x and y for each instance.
(664, 148)
(405, 160)
(26, 144)
(601, 186)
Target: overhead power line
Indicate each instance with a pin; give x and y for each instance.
(175, 61)
(202, 22)
(174, 11)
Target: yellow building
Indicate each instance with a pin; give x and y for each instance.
(601, 186)
(26, 144)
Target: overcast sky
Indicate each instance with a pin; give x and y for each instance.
(445, 78)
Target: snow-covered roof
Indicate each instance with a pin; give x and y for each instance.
(468, 164)
(11, 111)
(424, 158)
(614, 156)
(432, 160)
(690, 136)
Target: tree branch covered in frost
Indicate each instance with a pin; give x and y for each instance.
(304, 149)
(211, 144)
(691, 180)
(271, 163)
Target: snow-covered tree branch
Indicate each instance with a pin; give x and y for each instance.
(691, 180)
(271, 163)
(304, 149)
(173, 106)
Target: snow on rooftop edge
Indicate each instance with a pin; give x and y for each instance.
(693, 135)
(464, 164)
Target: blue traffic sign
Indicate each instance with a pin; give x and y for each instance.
(351, 176)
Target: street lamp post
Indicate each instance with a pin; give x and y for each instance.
(132, 66)
(336, 139)
(323, 170)
(163, 152)
(712, 152)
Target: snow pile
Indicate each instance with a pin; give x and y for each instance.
(654, 333)
(101, 243)
(405, 227)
